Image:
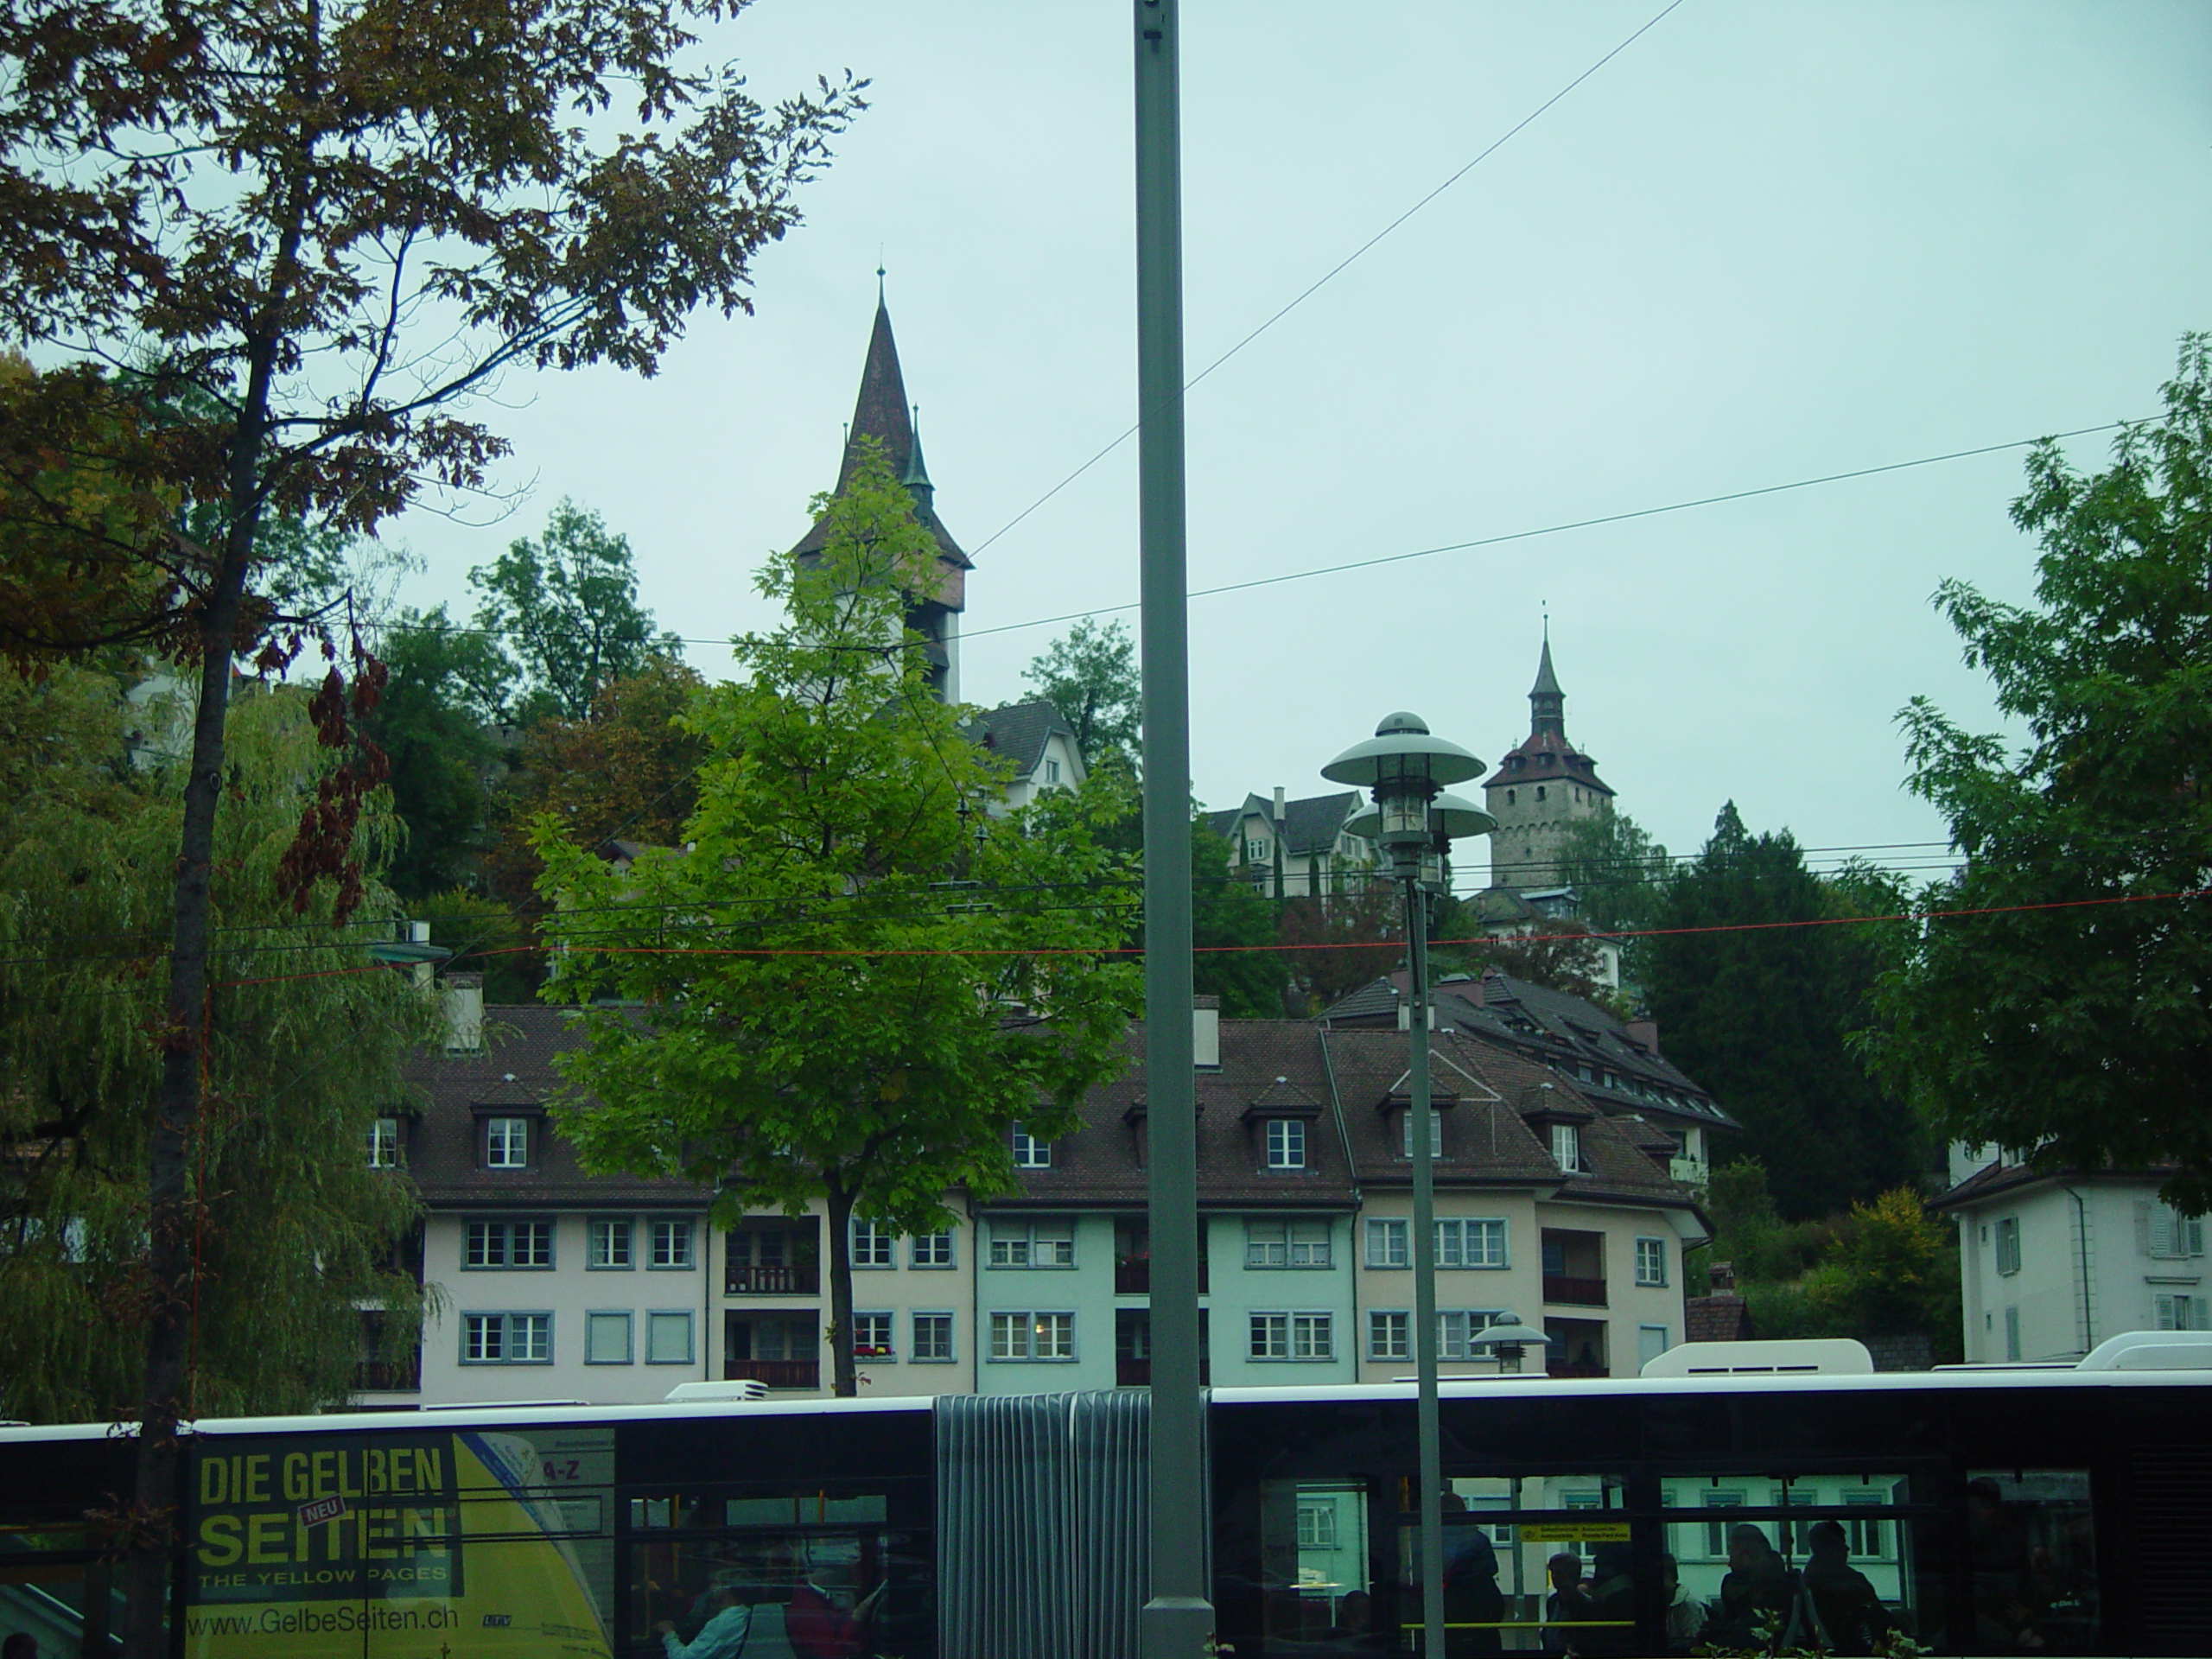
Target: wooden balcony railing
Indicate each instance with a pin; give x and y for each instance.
(775, 1373)
(799, 1279)
(1578, 1292)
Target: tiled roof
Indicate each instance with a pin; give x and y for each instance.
(1019, 731)
(1564, 1031)
(515, 1070)
(1311, 825)
(1717, 1319)
(1998, 1176)
(1340, 1083)
(1546, 758)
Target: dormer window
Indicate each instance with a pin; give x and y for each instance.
(1567, 1148)
(1285, 1143)
(1435, 1135)
(1029, 1153)
(507, 1143)
(384, 1143)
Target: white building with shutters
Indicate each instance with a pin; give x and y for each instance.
(2051, 1265)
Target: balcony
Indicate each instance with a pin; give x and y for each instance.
(790, 1278)
(389, 1376)
(775, 1373)
(1576, 1292)
(1133, 1276)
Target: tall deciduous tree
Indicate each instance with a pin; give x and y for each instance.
(564, 607)
(292, 1232)
(331, 222)
(434, 722)
(2064, 1014)
(1757, 999)
(854, 979)
(1091, 676)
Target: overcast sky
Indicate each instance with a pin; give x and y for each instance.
(1763, 244)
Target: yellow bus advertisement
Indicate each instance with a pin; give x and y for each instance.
(403, 1544)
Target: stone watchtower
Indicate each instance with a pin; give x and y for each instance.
(1540, 792)
(882, 413)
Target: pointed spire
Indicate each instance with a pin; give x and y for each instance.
(1547, 702)
(917, 475)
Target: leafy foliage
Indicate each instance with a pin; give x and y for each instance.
(1091, 676)
(564, 609)
(291, 1231)
(1619, 874)
(1755, 999)
(833, 989)
(434, 723)
(2062, 1013)
(1231, 927)
(313, 232)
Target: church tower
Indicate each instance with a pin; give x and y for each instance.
(882, 413)
(1540, 792)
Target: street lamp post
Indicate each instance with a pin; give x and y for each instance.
(1416, 822)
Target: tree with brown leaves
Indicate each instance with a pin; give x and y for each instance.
(326, 224)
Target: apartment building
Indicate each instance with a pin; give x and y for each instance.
(551, 1284)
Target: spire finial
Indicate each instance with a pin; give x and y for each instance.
(1547, 604)
(879, 276)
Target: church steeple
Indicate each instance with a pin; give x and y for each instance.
(882, 413)
(1547, 702)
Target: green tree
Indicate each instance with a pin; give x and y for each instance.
(434, 723)
(1755, 999)
(1091, 676)
(1232, 926)
(338, 224)
(564, 609)
(308, 1038)
(859, 979)
(1619, 875)
(2061, 1010)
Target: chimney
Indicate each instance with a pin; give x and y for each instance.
(1205, 1034)
(463, 995)
(1646, 1031)
(1279, 813)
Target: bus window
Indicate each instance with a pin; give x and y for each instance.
(1530, 1561)
(68, 1607)
(1314, 1555)
(2034, 1561)
(1815, 1558)
(814, 1573)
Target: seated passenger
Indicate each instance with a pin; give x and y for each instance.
(1757, 1597)
(1685, 1613)
(1568, 1611)
(1852, 1618)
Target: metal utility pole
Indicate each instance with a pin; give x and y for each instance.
(1420, 1110)
(1178, 1620)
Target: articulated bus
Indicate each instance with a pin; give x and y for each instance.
(2030, 1511)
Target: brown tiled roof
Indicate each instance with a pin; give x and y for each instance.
(1717, 1319)
(1099, 1165)
(515, 1070)
(1556, 1028)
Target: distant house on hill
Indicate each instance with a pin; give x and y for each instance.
(1615, 1065)
(1040, 744)
(1293, 849)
